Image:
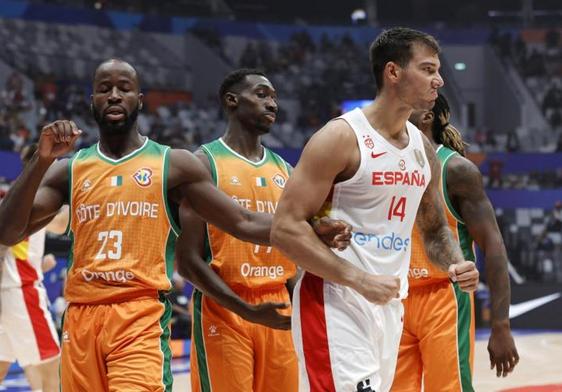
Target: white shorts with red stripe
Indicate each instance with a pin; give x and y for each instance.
(27, 331)
(344, 343)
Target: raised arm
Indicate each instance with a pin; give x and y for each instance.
(42, 188)
(439, 244)
(192, 265)
(330, 156)
(465, 187)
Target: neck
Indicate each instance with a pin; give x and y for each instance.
(429, 134)
(243, 141)
(388, 115)
(118, 145)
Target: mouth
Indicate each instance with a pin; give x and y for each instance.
(114, 113)
(270, 116)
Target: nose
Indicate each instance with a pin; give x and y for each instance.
(439, 82)
(115, 95)
(271, 105)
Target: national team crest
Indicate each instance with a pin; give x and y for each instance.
(419, 157)
(369, 142)
(143, 177)
(279, 180)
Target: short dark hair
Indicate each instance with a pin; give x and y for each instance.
(395, 45)
(235, 77)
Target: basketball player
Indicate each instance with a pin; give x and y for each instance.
(373, 169)
(27, 330)
(244, 283)
(115, 333)
(438, 337)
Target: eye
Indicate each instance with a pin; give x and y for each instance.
(261, 94)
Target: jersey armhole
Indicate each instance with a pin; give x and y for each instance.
(213, 164)
(165, 172)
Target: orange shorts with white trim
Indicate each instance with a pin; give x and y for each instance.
(117, 347)
(231, 354)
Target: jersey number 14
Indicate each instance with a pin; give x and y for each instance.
(397, 208)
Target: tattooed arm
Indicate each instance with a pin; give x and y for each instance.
(465, 188)
(439, 244)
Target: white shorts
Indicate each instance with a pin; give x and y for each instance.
(344, 343)
(27, 331)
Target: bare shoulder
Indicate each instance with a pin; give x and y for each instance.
(463, 176)
(185, 167)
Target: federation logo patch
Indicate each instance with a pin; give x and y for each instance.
(279, 180)
(419, 157)
(143, 177)
(368, 142)
(235, 181)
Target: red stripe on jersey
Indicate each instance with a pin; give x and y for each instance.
(314, 335)
(27, 273)
(46, 343)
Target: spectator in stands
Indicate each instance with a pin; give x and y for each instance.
(554, 220)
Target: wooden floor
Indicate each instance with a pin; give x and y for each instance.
(540, 364)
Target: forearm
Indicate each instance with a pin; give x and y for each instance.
(441, 248)
(298, 242)
(255, 228)
(209, 283)
(500, 291)
(15, 209)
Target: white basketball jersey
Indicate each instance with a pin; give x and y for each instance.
(22, 262)
(381, 200)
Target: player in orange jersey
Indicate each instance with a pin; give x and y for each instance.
(438, 335)
(238, 283)
(115, 332)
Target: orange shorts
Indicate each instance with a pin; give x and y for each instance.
(231, 354)
(437, 340)
(117, 347)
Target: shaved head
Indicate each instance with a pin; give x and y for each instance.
(119, 63)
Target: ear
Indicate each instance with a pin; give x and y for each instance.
(141, 97)
(428, 117)
(392, 71)
(230, 100)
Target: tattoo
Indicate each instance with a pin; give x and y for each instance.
(439, 244)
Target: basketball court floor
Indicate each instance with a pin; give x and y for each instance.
(539, 369)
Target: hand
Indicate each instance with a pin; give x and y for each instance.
(49, 262)
(379, 289)
(266, 314)
(466, 274)
(333, 232)
(57, 139)
(502, 350)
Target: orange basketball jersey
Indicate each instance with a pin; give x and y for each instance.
(122, 233)
(422, 271)
(257, 186)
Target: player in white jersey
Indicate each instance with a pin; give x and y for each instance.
(27, 331)
(376, 171)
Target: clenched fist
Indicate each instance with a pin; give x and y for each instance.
(57, 139)
(466, 274)
(379, 289)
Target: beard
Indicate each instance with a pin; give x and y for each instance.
(116, 127)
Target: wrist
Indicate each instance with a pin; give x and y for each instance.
(500, 325)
